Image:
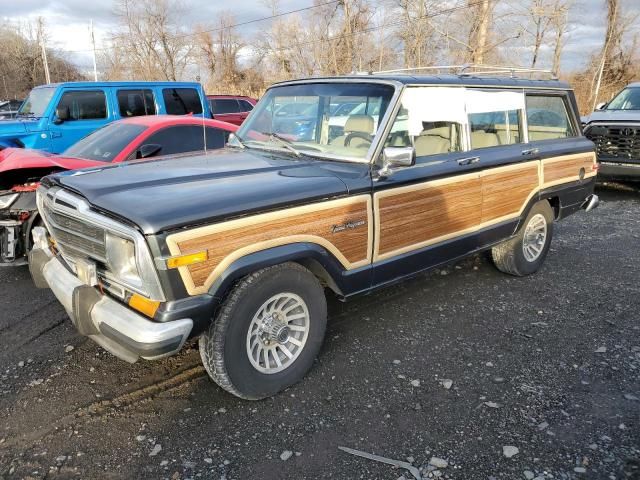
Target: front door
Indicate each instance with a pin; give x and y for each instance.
(87, 111)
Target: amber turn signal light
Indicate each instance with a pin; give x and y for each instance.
(184, 260)
(143, 305)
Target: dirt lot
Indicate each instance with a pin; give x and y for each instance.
(548, 364)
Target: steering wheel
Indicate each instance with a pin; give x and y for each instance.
(352, 135)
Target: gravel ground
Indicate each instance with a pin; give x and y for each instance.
(497, 377)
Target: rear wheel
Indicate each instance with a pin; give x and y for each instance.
(525, 253)
(268, 332)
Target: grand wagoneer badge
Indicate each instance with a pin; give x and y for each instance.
(346, 226)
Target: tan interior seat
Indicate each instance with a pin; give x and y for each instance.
(482, 139)
(356, 123)
(433, 141)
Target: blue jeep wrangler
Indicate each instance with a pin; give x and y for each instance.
(54, 117)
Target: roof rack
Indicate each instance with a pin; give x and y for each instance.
(477, 70)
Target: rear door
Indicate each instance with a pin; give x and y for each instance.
(88, 110)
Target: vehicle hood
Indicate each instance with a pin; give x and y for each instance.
(21, 158)
(10, 126)
(613, 116)
(164, 194)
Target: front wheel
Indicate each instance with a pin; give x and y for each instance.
(524, 254)
(268, 332)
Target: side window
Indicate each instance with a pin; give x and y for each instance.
(430, 119)
(220, 106)
(547, 118)
(216, 138)
(135, 103)
(245, 106)
(490, 129)
(181, 101)
(494, 117)
(187, 138)
(84, 104)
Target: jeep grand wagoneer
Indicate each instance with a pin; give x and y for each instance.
(238, 246)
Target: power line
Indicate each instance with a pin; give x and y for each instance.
(226, 27)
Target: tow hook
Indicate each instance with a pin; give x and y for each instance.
(591, 202)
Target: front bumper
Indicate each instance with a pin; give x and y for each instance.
(619, 171)
(118, 329)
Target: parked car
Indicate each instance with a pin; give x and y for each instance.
(54, 117)
(231, 108)
(240, 246)
(9, 108)
(615, 129)
(121, 141)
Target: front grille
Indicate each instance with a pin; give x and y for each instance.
(616, 142)
(74, 238)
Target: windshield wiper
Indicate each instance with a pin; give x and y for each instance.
(286, 143)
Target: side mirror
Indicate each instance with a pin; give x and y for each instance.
(393, 157)
(62, 115)
(148, 150)
(601, 105)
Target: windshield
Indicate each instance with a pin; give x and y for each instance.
(107, 142)
(308, 118)
(36, 103)
(627, 99)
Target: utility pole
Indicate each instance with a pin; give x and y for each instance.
(43, 50)
(93, 42)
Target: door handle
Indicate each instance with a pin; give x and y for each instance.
(531, 151)
(468, 160)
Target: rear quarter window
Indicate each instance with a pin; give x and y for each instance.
(548, 118)
(181, 101)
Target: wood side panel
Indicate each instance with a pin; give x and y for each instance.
(505, 191)
(426, 212)
(566, 170)
(352, 243)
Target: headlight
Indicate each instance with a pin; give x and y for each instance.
(121, 259)
(7, 200)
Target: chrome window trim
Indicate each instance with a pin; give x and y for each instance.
(151, 286)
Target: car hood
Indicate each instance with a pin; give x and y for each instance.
(10, 126)
(21, 158)
(164, 194)
(613, 116)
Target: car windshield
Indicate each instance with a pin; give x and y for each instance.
(299, 118)
(627, 99)
(104, 144)
(36, 103)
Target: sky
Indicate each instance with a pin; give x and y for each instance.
(67, 22)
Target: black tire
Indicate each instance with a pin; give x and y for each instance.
(223, 347)
(509, 256)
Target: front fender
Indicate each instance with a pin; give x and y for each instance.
(313, 256)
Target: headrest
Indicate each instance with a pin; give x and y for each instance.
(359, 123)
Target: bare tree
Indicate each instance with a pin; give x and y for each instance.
(151, 40)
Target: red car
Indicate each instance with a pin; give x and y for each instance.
(231, 108)
(130, 139)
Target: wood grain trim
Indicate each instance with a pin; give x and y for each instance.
(566, 168)
(506, 191)
(229, 241)
(408, 218)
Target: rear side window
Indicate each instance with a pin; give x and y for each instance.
(547, 118)
(245, 106)
(220, 106)
(181, 101)
(187, 138)
(490, 129)
(135, 103)
(84, 104)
